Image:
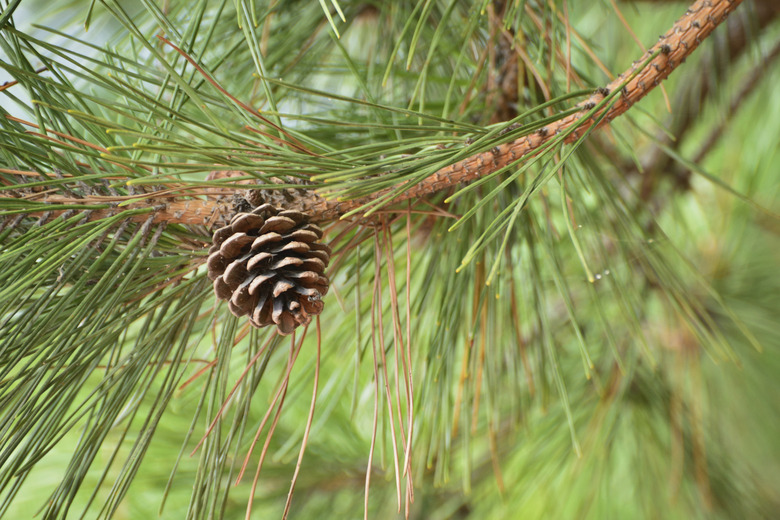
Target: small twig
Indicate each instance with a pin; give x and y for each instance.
(747, 87)
(9, 84)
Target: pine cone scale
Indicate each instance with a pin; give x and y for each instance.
(235, 244)
(282, 286)
(258, 260)
(306, 235)
(313, 264)
(259, 281)
(221, 289)
(246, 222)
(235, 273)
(261, 241)
(287, 261)
(278, 225)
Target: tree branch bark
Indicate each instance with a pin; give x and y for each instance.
(698, 22)
(657, 164)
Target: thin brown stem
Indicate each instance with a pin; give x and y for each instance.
(747, 87)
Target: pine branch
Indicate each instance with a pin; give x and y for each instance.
(658, 163)
(670, 51)
(698, 22)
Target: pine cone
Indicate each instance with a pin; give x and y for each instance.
(269, 265)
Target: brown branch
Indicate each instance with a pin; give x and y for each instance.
(691, 97)
(671, 50)
(680, 41)
(9, 84)
(206, 212)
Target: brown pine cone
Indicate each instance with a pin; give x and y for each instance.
(269, 265)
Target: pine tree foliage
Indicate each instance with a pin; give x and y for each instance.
(587, 332)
